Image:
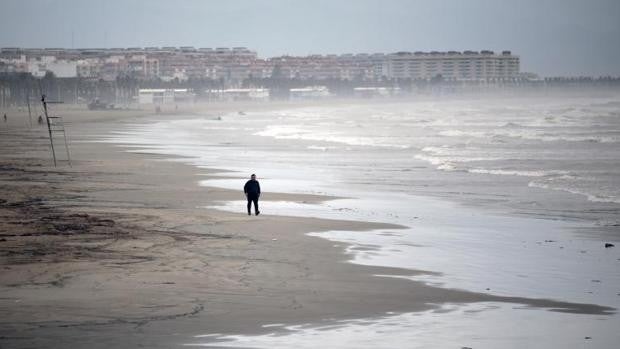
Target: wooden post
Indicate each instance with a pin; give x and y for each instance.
(28, 100)
(49, 127)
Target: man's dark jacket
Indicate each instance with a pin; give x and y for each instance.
(252, 188)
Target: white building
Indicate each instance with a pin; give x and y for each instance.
(370, 92)
(239, 94)
(310, 92)
(62, 68)
(178, 74)
(40, 65)
(160, 96)
(89, 68)
(452, 65)
(156, 96)
(142, 66)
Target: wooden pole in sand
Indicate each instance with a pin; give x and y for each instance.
(49, 127)
(28, 100)
(64, 134)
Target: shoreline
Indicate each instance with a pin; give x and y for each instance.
(232, 275)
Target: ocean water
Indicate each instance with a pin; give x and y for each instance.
(512, 196)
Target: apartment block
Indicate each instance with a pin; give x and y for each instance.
(239, 63)
(452, 65)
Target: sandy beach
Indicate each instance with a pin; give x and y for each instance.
(119, 250)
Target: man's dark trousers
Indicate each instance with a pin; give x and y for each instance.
(253, 198)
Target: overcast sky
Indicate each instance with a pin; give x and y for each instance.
(553, 37)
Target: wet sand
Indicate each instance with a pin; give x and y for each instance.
(117, 250)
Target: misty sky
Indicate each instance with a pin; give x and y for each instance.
(553, 37)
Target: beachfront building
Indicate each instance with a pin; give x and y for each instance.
(89, 68)
(159, 96)
(325, 67)
(372, 92)
(38, 66)
(233, 65)
(60, 68)
(309, 93)
(155, 96)
(238, 94)
(142, 66)
(452, 65)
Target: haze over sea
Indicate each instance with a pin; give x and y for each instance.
(512, 196)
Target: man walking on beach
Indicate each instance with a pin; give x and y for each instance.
(252, 192)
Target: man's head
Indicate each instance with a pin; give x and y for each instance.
(253, 176)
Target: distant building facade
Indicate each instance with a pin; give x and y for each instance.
(239, 63)
(452, 65)
(159, 96)
(238, 94)
(309, 93)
